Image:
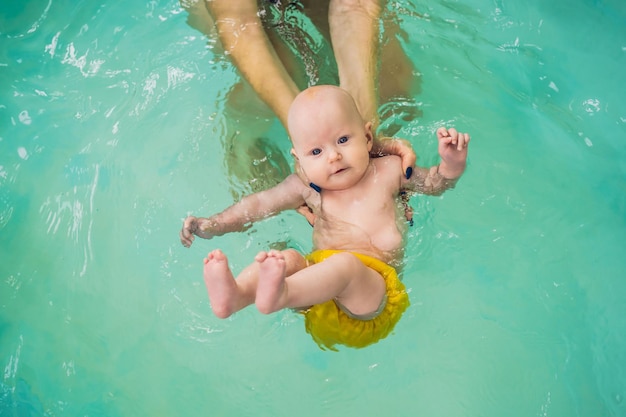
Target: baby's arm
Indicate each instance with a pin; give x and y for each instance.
(436, 179)
(453, 152)
(238, 217)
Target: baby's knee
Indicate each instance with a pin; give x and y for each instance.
(293, 260)
(348, 261)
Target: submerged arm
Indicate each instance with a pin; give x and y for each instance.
(238, 217)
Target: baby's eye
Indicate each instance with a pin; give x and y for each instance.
(343, 139)
(316, 151)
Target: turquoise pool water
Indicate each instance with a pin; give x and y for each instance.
(114, 125)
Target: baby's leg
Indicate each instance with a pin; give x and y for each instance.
(226, 295)
(342, 277)
(274, 267)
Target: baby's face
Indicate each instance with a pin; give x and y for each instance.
(332, 144)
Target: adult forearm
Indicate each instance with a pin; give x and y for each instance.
(244, 39)
(354, 29)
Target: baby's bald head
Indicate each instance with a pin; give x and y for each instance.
(320, 105)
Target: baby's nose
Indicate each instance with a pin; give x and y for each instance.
(334, 155)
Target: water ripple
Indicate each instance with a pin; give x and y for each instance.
(88, 68)
(10, 369)
(66, 211)
(16, 20)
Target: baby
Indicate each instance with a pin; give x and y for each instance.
(347, 288)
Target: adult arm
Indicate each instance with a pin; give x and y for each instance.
(238, 217)
(354, 32)
(244, 39)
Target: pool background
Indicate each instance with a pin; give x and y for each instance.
(113, 128)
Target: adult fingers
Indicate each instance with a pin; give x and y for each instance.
(404, 149)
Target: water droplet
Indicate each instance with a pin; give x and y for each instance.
(25, 117)
(21, 151)
(591, 105)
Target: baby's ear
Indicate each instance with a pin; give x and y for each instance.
(369, 134)
(298, 167)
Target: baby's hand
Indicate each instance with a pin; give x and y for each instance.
(452, 146)
(189, 230)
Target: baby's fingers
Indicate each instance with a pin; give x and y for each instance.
(448, 136)
(454, 134)
(453, 137)
(186, 238)
(442, 132)
(186, 233)
(462, 141)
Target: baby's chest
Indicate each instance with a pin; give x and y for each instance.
(362, 225)
(362, 210)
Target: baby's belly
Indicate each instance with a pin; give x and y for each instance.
(384, 246)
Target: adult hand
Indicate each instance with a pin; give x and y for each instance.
(400, 147)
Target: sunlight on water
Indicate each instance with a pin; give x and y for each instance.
(118, 120)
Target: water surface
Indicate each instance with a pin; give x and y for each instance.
(115, 123)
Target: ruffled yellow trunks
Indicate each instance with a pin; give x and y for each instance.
(329, 324)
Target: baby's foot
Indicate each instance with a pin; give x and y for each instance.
(271, 289)
(220, 284)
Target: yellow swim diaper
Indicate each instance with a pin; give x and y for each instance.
(329, 325)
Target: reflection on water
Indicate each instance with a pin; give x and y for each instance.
(254, 164)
